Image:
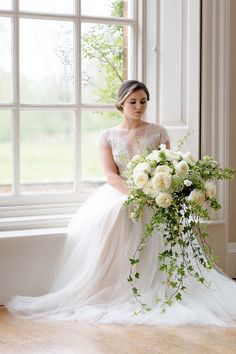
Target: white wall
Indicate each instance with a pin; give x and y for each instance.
(27, 263)
(173, 68)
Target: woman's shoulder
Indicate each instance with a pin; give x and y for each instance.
(157, 128)
(107, 136)
(160, 133)
(103, 138)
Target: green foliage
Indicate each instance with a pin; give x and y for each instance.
(104, 45)
(117, 8)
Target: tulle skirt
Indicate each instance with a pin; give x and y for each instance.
(91, 280)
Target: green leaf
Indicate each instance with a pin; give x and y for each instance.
(201, 279)
(133, 260)
(178, 296)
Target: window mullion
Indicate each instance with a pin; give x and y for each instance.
(77, 126)
(139, 40)
(16, 103)
(16, 152)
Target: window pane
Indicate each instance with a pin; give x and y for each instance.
(104, 61)
(117, 8)
(47, 61)
(46, 151)
(92, 124)
(6, 60)
(5, 4)
(48, 6)
(5, 153)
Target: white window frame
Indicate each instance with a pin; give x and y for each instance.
(28, 207)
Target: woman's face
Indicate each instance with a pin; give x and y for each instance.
(135, 105)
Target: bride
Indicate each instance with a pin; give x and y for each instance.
(91, 281)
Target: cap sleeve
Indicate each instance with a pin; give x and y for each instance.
(164, 137)
(103, 139)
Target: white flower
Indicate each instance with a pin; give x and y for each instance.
(161, 182)
(214, 163)
(162, 146)
(154, 156)
(197, 196)
(206, 158)
(187, 183)
(210, 189)
(163, 168)
(140, 179)
(182, 168)
(180, 153)
(132, 216)
(141, 167)
(164, 200)
(135, 158)
(149, 191)
(189, 158)
(172, 155)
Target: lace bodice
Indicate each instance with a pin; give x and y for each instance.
(125, 143)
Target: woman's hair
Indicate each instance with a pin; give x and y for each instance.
(128, 87)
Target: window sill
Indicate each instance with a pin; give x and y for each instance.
(34, 233)
(34, 223)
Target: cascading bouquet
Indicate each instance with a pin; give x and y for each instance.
(179, 190)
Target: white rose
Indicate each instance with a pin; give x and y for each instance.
(187, 183)
(154, 156)
(163, 168)
(141, 167)
(172, 155)
(197, 196)
(135, 158)
(182, 168)
(149, 191)
(140, 179)
(210, 189)
(161, 182)
(189, 158)
(164, 200)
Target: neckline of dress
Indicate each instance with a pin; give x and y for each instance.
(135, 129)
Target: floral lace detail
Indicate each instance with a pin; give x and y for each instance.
(125, 143)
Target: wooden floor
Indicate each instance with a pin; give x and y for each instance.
(19, 336)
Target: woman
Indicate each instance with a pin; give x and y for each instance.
(92, 283)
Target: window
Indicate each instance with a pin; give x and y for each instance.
(61, 64)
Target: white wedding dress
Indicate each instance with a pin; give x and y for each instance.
(91, 281)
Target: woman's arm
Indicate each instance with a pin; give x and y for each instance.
(110, 169)
(165, 138)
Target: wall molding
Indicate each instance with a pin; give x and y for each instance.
(231, 260)
(232, 248)
(215, 98)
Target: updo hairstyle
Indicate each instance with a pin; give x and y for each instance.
(128, 87)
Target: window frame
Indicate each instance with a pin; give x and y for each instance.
(27, 205)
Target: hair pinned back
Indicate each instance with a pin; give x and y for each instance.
(128, 87)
